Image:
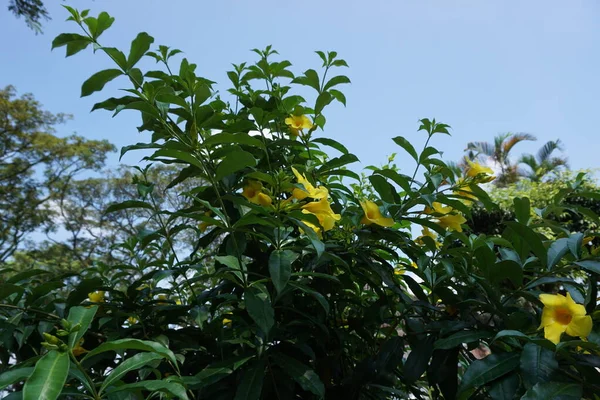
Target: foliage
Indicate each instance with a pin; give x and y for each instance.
(36, 167)
(302, 288)
(32, 10)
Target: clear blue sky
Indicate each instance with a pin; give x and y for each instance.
(484, 67)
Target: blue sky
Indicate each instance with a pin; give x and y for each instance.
(484, 67)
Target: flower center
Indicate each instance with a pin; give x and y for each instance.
(562, 316)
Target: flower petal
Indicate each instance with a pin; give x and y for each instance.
(553, 331)
(574, 308)
(581, 325)
(553, 300)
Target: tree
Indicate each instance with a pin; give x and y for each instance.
(37, 167)
(499, 153)
(33, 11)
(543, 164)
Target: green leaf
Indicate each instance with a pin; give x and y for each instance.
(233, 162)
(590, 265)
(74, 42)
(532, 239)
(128, 204)
(510, 333)
(82, 316)
(406, 145)
(336, 80)
(418, 359)
(507, 269)
(252, 381)
(332, 143)
(139, 47)
(310, 78)
(259, 308)
(386, 191)
(48, 378)
(117, 56)
(339, 96)
(488, 369)
(538, 364)
(554, 391)
(323, 100)
(303, 375)
(105, 21)
(132, 363)
(574, 243)
(179, 155)
(7, 289)
(522, 209)
(172, 388)
(133, 344)
(14, 375)
(280, 267)
(239, 138)
(556, 251)
(337, 162)
(459, 338)
(505, 388)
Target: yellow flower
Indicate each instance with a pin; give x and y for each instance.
(78, 349)
(298, 122)
(253, 193)
(484, 174)
(322, 210)
(426, 232)
(204, 225)
(226, 323)
(309, 189)
(562, 314)
(450, 219)
(96, 297)
(314, 228)
(132, 320)
(463, 189)
(373, 215)
(399, 271)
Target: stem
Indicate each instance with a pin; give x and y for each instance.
(85, 374)
(30, 309)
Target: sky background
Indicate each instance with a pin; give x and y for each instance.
(484, 67)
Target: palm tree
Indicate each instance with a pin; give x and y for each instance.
(499, 152)
(543, 164)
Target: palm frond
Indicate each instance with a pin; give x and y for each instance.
(513, 139)
(547, 149)
(485, 148)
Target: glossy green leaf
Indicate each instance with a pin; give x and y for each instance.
(73, 41)
(233, 162)
(488, 369)
(554, 391)
(590, 265)
(137, 361)
(557, 251)
(82, 316)
(251, 384)
(97, 81)
(537, 364)
(14, 375)
(133, 344)
(459, 338)
(127, 205)
(505, 388)
(280, 267)
(532, 239)
(331, 143)
(406, 145)
(336, 80)
(303, 375)
(48, 378)
(258, 305)
(172, 388)
(139, 47)
(522, 209)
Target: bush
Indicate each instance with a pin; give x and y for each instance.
(297, 286)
